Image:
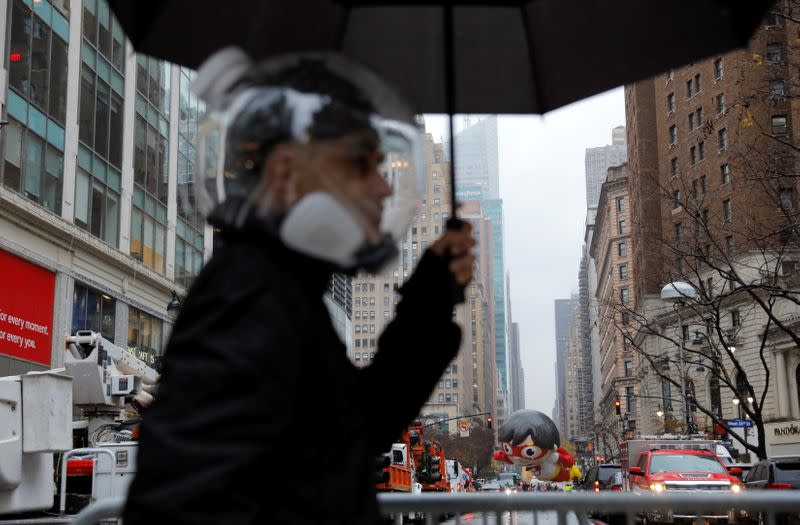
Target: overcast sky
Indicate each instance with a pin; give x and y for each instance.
(544, 199)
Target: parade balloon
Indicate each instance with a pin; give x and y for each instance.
(531, 439)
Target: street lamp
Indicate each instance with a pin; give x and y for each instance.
(676, 293)
(660, 413)
(174, 304)
(736, 401)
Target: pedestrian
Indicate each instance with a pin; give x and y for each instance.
(260, 416)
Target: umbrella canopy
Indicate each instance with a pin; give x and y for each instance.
(508, 56)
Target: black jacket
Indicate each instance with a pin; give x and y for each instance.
(260, 416)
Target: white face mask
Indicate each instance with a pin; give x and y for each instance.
(321, 227)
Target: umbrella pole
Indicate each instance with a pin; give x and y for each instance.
(450, 94)
(453, 222)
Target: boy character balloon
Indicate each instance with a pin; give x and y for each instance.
(530, 438)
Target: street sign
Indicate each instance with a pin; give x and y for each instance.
(463, 427)
(739, 423)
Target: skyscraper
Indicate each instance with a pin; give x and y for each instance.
(478, 178)
(598, 160)
(563, 319)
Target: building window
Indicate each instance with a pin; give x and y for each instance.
(144, 335)
(689, 88)
(621, 227)
(720, 103)
(624, 295)
(102, 88)
(678, 231)
(623, 271)
(693, 155)
(699, 114)
(97, 197)
(437, 189)
(715, 395)
(774, 53)
(671, 102)
(670, 75)
(725, 172)
(622, 249)
(722, 135)
(786, 198)
(779, 126)
(673, 164)
(36, 103)
(697, 85)
(729, 244)
(736, 320)
(628, 368)
(777, 88)
(703, 184)
(33, 166)
(676, 199)
(673, 135)
(189, 230)
(666, 395)
(727, 210)
(620, 204)
(626, 318)
(93, 310)
(630, 402)
(691, 121)
(718, 69)
(772, 19)
(37, 68)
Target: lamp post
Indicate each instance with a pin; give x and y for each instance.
(677, 293)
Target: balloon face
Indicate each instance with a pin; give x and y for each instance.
(526, 453)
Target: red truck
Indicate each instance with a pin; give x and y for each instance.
(655, 466)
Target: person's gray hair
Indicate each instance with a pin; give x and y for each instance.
(524, 423)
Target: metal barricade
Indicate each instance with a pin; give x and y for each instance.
(757, 507)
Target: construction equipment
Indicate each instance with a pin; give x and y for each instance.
(107, 385)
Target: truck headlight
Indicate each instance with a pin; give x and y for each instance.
(658, 488)
(735, 488)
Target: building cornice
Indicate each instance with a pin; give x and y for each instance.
(41, 223)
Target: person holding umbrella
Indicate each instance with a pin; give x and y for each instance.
(260, 415)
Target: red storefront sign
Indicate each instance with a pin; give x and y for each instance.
(26, 309)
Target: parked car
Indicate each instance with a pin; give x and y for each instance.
(606, 476)
(776, 473)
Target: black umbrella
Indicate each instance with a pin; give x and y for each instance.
(467, 56)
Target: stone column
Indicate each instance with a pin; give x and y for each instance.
(781, 384)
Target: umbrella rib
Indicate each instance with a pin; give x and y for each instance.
(537, 96)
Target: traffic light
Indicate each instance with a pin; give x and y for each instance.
(435, 470)
(489, 422)
(381, 462)
(618, 407)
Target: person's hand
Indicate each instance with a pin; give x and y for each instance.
(457, 244)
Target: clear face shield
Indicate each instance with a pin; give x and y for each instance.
(348, 196)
